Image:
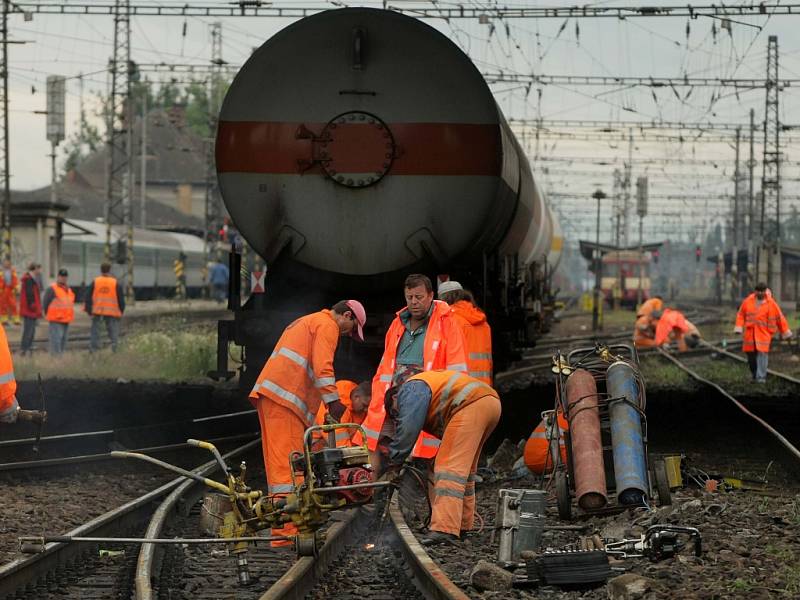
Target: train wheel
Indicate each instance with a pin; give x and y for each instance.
(662, 483)
(563, 497)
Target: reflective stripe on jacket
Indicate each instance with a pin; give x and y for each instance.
(443, 349)
(451, 391)
(62, 307)
(299, 373)
(477, 339)
(104, 297)
(8, 385)
(760, 323)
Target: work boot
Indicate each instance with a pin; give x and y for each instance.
(435, 538)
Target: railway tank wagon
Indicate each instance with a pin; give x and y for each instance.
(359, 145)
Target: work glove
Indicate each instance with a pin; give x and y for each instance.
(10, 415)
(737, 330)
(330, 419)
(786, 335)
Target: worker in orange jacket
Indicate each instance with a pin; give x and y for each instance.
(10, 411)
(422, 337)
(649, 305)
(672, 326)
(9, 288)
(463, 412)
(474, 328)
(546, 445)
(295, 380)
(644, 330)
(355, 398)
(758, 320)
(58, 304)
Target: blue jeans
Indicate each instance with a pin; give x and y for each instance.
(28, 333)
(758, 361)
(58, 337)
(112, 327)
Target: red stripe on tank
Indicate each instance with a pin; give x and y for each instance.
(421, 149)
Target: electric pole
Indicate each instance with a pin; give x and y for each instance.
(771, 173)
(213, 205)
(119, 132)
(6, 150)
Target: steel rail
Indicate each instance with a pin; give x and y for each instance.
(431, 580)
(15, 575)
(115, 432)
(786, 443)
(304, 574)
(89, 458)
(728, 354)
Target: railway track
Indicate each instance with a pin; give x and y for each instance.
(172, 568)
(93, 446)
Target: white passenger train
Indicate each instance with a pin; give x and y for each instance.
(154, 253)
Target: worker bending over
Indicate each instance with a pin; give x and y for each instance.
(644, 330)
(460, 410)
(475, 330)
(422, 337)
(673, 326)
(295, 380)
(758, 320)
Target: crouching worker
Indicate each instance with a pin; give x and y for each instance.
(355, 398)
(545, 447)
(460, 410)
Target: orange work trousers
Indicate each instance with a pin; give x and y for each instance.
(8, 304)
(457, 462)
(281, 434)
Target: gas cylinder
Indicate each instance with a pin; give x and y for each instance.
(587, 448)
(630, 467)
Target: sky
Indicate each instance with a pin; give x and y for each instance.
(690, 192)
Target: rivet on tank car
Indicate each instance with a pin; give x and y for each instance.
(360, 182)
(360, 117)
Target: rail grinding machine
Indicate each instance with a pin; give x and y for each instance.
(325, 478)
(607, 467)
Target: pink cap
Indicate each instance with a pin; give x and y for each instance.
(361, 319)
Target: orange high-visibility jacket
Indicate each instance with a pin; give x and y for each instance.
(443, 349)
(643, 331)
(451, 391)
(62, 307)
(648, 306)
(760, 323)
(344, 387)
(537, 454)
(104, 297)
(299, 373)
(8, 385)
(477, 339)
(671, 320)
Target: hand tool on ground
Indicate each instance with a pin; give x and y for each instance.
(657, 543)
